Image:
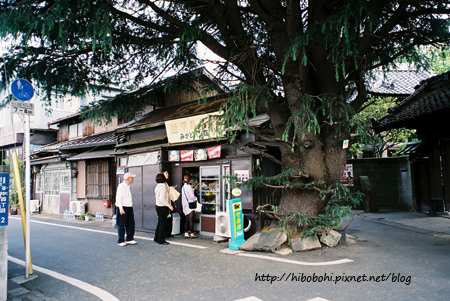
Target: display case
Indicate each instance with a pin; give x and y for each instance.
(210, 189)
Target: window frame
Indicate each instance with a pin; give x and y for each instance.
(97, 179)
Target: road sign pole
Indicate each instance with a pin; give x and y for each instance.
(28, 269)
(23, 91)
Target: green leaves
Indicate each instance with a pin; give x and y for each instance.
(236, 111)
(362, 126)
(304, 225)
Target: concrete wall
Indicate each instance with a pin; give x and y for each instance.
(390, 179)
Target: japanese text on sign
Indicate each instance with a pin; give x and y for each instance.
(182, 130)
(4, 198)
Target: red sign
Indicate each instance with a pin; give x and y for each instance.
(187, 155)
(214, 152)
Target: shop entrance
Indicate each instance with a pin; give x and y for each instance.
(194, 171)
(211, 191)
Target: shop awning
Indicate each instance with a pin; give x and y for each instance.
(94, 154)
(46, 160)
(144, 140)
(131, 150)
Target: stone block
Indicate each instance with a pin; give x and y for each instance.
(284, 250)
(343, 236)
(250, 243)
(307, 243)
(265, 241)
(331, 239)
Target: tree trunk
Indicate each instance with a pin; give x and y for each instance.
(320, 153)
(323, 160)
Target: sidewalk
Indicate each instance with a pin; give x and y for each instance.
(438, 226)
(16, 291)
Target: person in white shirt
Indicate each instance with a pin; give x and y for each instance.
(125, 214)
(162, 208)
(188, 196)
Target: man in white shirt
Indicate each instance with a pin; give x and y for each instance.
(125, 214)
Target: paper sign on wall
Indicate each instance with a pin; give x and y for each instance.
(345, 144)
(144, 159)
(347, 177)
(214, 152)
(187, 155)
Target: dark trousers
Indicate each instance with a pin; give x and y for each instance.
(189, 222)
(161, 227)
(169, 225)
(125, 222)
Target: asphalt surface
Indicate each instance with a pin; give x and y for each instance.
(410, 255)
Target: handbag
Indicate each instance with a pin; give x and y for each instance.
(173, 194)
(192, 205)
(199, 208)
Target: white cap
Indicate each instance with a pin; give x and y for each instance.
(128, 175)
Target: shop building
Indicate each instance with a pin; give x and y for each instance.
(163, 141)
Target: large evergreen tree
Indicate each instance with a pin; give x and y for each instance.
(304, 63)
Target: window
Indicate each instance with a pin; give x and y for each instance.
(65, 181)
(75, 130)
(39, 186)
(55, 181)
(122, 120)
(97, 179)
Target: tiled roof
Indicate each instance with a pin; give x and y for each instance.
(105, 138)
(101, 139)
(430, 102)
(179, 111)
(397, 82)
(48, 148)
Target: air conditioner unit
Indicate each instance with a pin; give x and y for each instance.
(223, 224)
(77, 207)
(35, 205)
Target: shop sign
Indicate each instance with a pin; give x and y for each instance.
(120, 171)
(187, 155)
(242, 175)
(174, 155)
(214, 152)
(182, 130)
(347, 177)
(200, 154)
(4, 198)
(144, 159)
(237, 224)
(236, 192)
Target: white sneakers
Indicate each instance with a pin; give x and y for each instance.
(130, 242)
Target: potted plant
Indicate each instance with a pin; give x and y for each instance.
(86, 216)
(13, 208)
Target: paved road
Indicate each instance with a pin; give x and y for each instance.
(88, 252)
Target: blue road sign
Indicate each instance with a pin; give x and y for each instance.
(4, 198)
(22, 89)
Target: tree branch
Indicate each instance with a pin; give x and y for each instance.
(262, 154)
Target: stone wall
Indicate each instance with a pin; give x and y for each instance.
(390, 179)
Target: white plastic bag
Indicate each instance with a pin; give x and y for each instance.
(199, 207)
